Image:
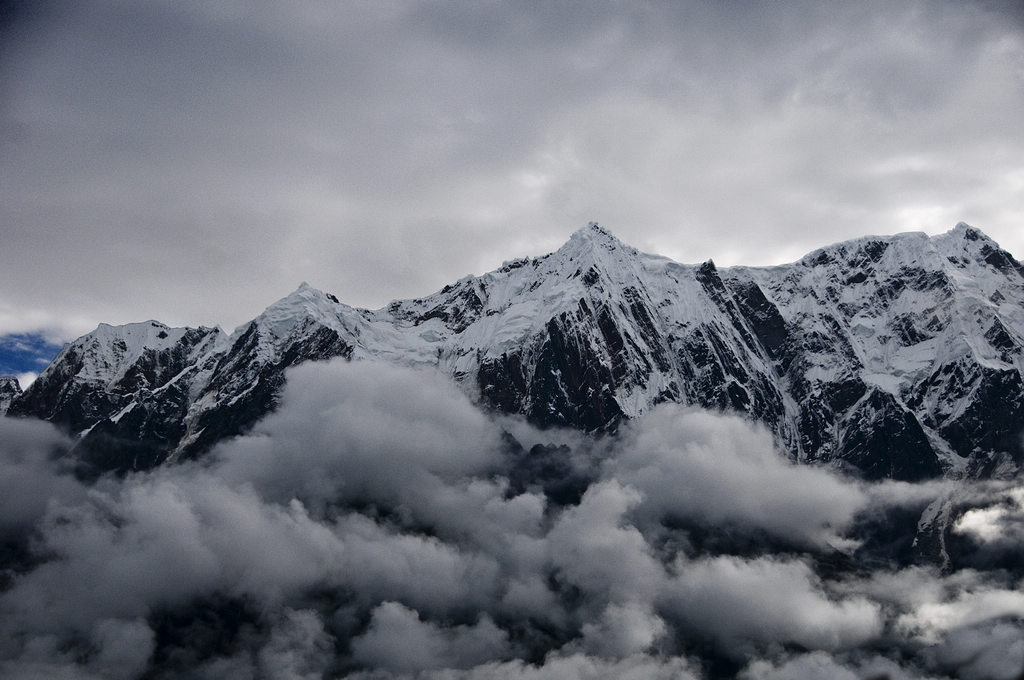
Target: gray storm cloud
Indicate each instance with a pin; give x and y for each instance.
(33, 477)
(209, 157)
(367, 529)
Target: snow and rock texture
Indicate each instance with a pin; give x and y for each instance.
(10, 389)
(125, 390)
(896, 356)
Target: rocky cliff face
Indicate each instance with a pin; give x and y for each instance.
(10, 389)
(895, 356)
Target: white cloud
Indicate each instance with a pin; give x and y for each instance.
(596, 550)
(362, 431)
(767, 600)
(722, 470)
(930, 621)
(398, 640)
(623, 630)
(996, 524)
(26, 379)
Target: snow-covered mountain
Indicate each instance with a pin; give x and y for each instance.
(900, 356)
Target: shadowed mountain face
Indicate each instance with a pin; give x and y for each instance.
(894, 357)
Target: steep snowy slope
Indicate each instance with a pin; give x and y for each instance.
(900, 356)
(903, 348)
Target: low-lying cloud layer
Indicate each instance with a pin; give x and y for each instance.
(369, 529)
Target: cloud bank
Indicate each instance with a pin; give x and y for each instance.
(368, 529)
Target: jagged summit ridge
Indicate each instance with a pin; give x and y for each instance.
(900, 356)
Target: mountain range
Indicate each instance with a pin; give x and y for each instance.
(887, 356)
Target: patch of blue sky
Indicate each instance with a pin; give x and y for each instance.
(26, 353)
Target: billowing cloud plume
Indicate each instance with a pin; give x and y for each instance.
(363, 432)
(720, 470)
(740, 601)
(398, 640)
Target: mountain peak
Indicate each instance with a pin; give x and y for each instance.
(300, 303)
(968, 233)
(595, 241)
(290, 314)
(594, 232)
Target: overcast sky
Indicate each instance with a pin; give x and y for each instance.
(193, 162)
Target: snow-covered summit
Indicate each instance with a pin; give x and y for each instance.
(898, 355)
(109, 352)
(102, 372)
(303, 307)
(592, 239)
